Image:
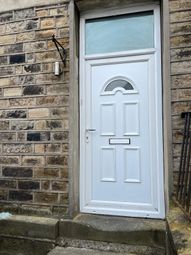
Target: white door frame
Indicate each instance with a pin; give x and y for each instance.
(84, 100)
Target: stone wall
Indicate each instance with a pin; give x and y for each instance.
(180, 27)
(34, 103)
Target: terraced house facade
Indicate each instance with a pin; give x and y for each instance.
(102, 132)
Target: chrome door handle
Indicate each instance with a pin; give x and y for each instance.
(90, 129)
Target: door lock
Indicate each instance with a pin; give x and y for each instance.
(88, 130)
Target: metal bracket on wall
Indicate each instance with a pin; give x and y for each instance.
(62, 51)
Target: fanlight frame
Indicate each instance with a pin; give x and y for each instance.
(119, 88)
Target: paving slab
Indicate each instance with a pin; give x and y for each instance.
(77, 251)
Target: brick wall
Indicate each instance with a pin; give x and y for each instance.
(180, 27)
(33, 111)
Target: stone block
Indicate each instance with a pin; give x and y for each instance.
(24, 102)
(21, 136)
(3, 194)
(44, 34)
(52, 148)
(17, 148)
(17, 171)
(48, 78)
(25, 13)
(15, 27)
(33, 160)
(2, 29)
(57, 160)
(179, 107)
(64, 199)
(29, 185)
(42, 172)
(35, 46)
(6, 17)
(18, 69)
(54, 124)
(16, 195)
(59, 186)
(180, 54)
(180, 28)
(42, 13)
(8, 184)
(22, 125)
(63, 41)
(64, 173)
(39, 113)
(4, 125)
(53, 100)
(8, 70)
(64, 32)
(47, 56)
(17, 59)
(45, 185)
(39, 148)
(33, 90)
(5, 160)
(3, 60)
(23, 37)
(14, 114)
(181, 94)
(38, 136)
(7, 39)
(60, 136)
(178, 5)
(35, 68)
(57, 89)
(60, 112)
(31, 24)
(62, 21)
(47, 23)
(180, 16)
(40, 125)
(7, 136)
(5, 82)
(181, 81)
(11, 92)
(65, 147)
(28, 79)
(47, 67)
(180, 41)
(14, 48)
(48, 198)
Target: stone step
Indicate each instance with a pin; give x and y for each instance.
(131, 231)
(82, 251)
(27, 235)
(29, 227)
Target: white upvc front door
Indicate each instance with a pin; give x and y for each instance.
(121, 134)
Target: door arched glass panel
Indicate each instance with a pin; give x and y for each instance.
(119, 84)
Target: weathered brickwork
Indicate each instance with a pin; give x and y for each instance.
(180, 29)
(34, 128)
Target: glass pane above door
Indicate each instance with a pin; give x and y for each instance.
(120, 33)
